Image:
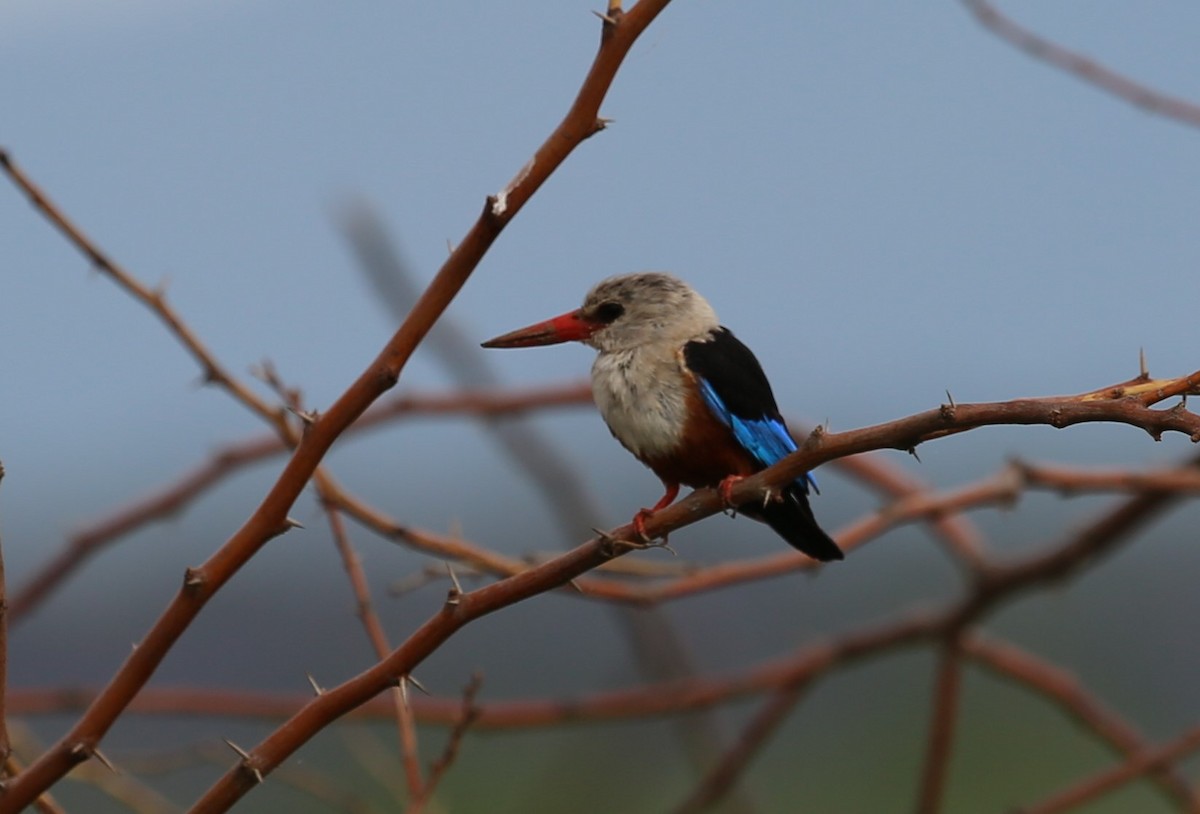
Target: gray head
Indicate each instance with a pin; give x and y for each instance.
(631, 310)
(623, 313)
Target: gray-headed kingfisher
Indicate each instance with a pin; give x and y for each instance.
(684, 395)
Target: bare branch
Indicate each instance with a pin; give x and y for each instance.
(1089, 70)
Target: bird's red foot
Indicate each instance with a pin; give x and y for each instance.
(639, 525)
(725, 490)
(639, 519)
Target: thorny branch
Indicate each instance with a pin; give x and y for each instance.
(990, 583)
(619, 31)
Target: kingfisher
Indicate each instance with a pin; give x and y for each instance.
(685, 396)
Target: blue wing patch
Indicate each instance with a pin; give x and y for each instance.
(767, 439)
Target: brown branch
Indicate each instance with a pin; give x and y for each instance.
(231, 457)
(958, 534)
(468, 715)
(947, 694)
(998, 582)
(1010, 662)
(1082, 67)
(723, 776)
(379, 644)
(154, 299)
(1104, 782)
(270, 518)
(1074, 480)
(5, 743)
(45, 803)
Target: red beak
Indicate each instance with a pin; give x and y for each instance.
(566, 328)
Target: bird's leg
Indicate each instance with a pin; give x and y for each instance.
(725, 488)
(639, 519)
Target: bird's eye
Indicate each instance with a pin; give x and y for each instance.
(609, 311)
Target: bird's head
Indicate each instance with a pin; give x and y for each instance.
(623, 313)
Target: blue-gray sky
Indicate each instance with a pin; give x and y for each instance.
(883, 200)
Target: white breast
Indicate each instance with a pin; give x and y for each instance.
(641, 394)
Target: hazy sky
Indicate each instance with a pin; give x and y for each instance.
(882, 199)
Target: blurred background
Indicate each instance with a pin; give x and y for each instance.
(883, 200)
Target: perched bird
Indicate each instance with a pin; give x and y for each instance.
(684, 395)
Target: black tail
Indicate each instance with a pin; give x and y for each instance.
(792, 519)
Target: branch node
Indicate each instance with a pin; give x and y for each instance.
(81, 751)
(815, 438)
(193, 578)
(247, 760)
(601, 123)
(455, 594)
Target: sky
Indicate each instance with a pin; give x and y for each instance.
(883, 200)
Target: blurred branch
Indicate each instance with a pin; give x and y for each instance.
(189, 487)
(270, 518)
(995, 583)
(468, 716)
(1135, 767)
(1089, 70)
(1055, 684)
(534, 454)
(959, 535)
(723, 776)
(947, 695)
(5, 744)
(379, 644)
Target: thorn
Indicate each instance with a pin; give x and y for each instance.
(411, 679)
(575, 584)
(403, 685)
(292, 522)
(1143, 371)
(96, 753)
(193, 578)
(242, 753)
(79, 748)
(913, 452)
(950, 399)
(449, 246)
(317, 688)
(307, 417)
(606, 18)
(455, 593)
(454, 578)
